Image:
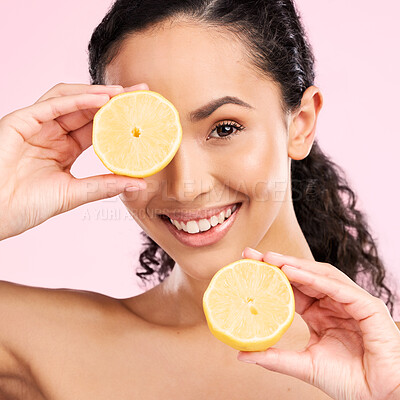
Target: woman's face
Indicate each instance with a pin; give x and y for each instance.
(244, 160)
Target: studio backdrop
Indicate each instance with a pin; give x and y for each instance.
(96, 246)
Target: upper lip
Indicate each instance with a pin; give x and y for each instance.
(190, 215)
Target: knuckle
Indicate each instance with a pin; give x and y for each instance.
(326, 265)
(10, 118)
(379, 302)
(57, 88)
(55, 109)
(376, 303)
(5, 120)
(59, 85)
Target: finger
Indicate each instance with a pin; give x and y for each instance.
(307, 290)
(67, 89)
(357, 302)
(140, 86)
(373, 317)
(75, 120)
(303, 263)
(28, 121)
(83, 136)
(279, 259)
(248, 252)
(86, 190)
(296, 364)
(310, 265)
(307, 265)
(302, 301)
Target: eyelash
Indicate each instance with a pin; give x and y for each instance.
(228, 123)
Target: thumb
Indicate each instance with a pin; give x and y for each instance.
(293, 363)
(85, 190)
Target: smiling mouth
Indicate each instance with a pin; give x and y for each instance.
(203, 224)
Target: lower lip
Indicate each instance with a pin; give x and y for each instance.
(213, 235)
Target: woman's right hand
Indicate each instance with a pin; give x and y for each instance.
(39, 144)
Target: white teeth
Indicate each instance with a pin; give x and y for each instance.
(177, 224)
(193, 227)
(204, 225)
(221, 217)
(214, 220)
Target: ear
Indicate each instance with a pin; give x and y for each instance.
(303, 124)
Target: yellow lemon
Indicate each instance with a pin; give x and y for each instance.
(136, 133)
(249, 305)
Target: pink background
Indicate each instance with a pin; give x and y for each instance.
(95, 247)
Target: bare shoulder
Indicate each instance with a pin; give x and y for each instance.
(34, 317)
(42, 329)
(30, 302)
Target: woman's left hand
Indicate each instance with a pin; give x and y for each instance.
(354, 348)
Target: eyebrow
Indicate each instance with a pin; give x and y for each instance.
(206, 110)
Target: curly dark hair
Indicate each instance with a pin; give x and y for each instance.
(278, 47)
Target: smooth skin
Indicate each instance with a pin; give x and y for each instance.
(252, 166)
(70, 344)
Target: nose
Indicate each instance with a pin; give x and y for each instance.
(188, 175)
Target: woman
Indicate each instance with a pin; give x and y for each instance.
(241, 76)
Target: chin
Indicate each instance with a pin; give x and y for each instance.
(208, 265)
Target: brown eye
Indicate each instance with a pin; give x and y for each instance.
(226, 130)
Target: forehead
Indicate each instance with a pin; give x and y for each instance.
(181, 58)
(176, 49)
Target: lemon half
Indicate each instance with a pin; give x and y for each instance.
(136, 133)
(249, 305)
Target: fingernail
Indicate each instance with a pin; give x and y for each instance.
(275, 254)
(143, 86)
(135, 187)
(246, 360)
(289, 267)
(253, 251)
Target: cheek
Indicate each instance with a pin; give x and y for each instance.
(269, 175)
(136, 204)
(257, 165)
